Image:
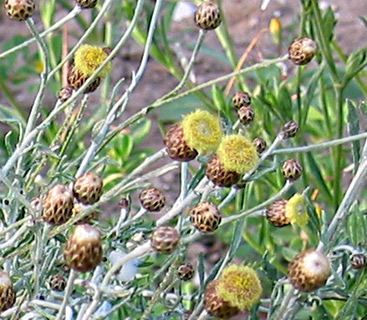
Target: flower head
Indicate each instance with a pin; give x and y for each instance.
(240, 286)
(236, 153)
(202, 131)
(88, 58)
(296, 210)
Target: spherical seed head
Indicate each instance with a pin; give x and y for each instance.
(290, 129)
(65, 93)
(176, 145)
(241, 99)
(296, 210)
(240, 286)
(83, 250)
(207, 16)
(217, 174)
(215, 305)
(236, 153)
(309, 270)
(292, 170)
(185, 271)
(7, 293)
(19, 9)
(76, 79)
(246, 115)
(87, 188)
(202, 131)
(86, 4)
(259, 144)
(302, 50)
(57, 282)
(152, 199)
(78, 208)
(87, 60)
(275, 213)
(206, 217)
(165, 239)
(58, 205)
(358, 261)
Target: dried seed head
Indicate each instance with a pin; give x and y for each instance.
(7, 293)
(275, 213)
(290, 129)
(57, 282)
(165, 239)
(19, 9)
(309, 270)
(302, 50)
(241, 99)
(86, 4)
(176, 145)
(246, 115)
(217, 174)
(292, 170)
(358, 261)
(259, 144)
(78, 208)
(185, 271)
(124, 203)
(206, 217)
(207, 16)
(58, 205)
(76, 79)
(152, 199)
(215, 305)
(83, 250)
(65, 93)
(87, 188)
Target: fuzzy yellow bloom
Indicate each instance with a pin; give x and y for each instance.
(296, 211)
(202, 131)
(236, 153)
(275, 28)
(239, 286)
(88, 58)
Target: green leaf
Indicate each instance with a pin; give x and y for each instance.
(353, 128)
(355, 63)
(140, 131)
(219, 100)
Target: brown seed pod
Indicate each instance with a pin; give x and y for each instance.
(206, 217)
(87, 188)
(260, 145)
(152, 199)
(57, 282)
(215, 305)
(76, 79)
(86, 4)
(83, 250)
(207, 16)
(292, 170)
(241, 99)
(58, 205)
(358, 261)
(7, 292)
(65, 93)
(19, 9)
(309, 270)
(275, 213)
(218, 175)
(290, 129)
(176, 145)
(246, 115)
(185, 271)
(78, 208)
(165, 239)
(302, 50)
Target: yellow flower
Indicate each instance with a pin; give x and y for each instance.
(296, 211)
(88, 58)
(236, 153)
(275, 28)
(239, 286)
(202, 131)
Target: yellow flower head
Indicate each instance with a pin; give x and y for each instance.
(239, 286)
(88, 58)
(202, 131)
(275, 28)
(236, 153)
(296, 211)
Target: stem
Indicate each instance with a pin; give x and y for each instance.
(68, 290)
